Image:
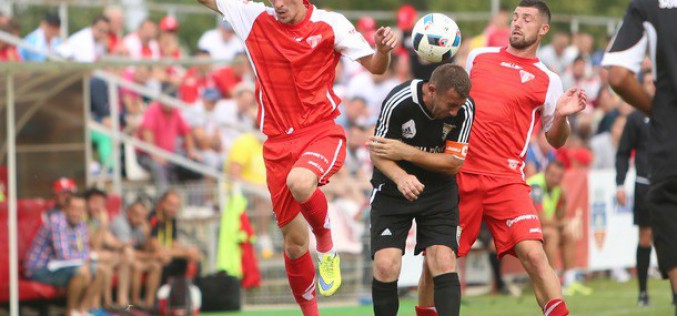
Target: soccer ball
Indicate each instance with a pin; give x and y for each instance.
(436, 37)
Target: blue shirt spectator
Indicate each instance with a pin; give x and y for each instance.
(45, 38)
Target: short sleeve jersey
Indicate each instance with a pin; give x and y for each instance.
(651, 26)
(294, 64)
(405, 117)
(512, 94)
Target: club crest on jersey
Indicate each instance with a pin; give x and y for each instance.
(314, 40)
(409, 129)
(512, 163)
(446, 129)
(526, 76)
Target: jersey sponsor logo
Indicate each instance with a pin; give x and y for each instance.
(387, 232)
(433, 150)
(446, 129)
(409, 129)
(526, 76)
(667, 4)
(511, 65)
(314, 40)
(521, 218)
(513, 164)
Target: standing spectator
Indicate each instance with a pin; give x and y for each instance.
(162, 126)
(164, 235)
(45, 39)
(60, 256)
(221, 42)
(143, 44)
(117, 23)
(89, 44)
(131, 227)
(553, 55)
(604, 145)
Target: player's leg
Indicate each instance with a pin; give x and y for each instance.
(426, 294)
(299, 265)
(442, 263)
(543, 278)
(387, 265)
(302, 184)
(551, 242)
(662, 202)
(643, 256)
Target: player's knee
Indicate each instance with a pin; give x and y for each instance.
(645, 237)
(387, 269)
(302, 183)
(534, 260)
(295, 248)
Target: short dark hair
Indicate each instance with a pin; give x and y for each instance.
(92, 192)
(100, 18)
(52, 19)
(538, 4)
(555, 163)
(448, 76)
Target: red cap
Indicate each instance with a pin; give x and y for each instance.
(365, 24)
(169, 23)
(406, 17)
(64, 185)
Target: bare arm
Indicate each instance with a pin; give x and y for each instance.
(396, 150)
(571, 102)
(407, 184)
(625, 83)
(378, 62)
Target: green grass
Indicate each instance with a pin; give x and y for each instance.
(609, 298)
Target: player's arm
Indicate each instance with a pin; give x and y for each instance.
(406, 183)
(627, 143)
(624, 58)
(378, 62)
(557, 127)
(395, 150)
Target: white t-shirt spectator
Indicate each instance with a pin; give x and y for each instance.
(136, 51)
(213, 42)
(224, 118)
(82, 47)
(363, 86)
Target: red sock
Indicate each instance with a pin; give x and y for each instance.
(315, 212)
(556, 307)
(426, 311)
(301, 275)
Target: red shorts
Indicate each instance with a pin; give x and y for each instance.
(504, 203)
(320, 149)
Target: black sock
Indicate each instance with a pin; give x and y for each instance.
(386, 302)
(496, 269)
(643, 258)
(447, 294)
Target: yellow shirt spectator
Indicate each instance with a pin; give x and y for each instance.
(247, 151)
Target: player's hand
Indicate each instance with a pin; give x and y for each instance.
(390, 149)
(571, 102)
(409, 186)
(621, 197)
(385, 40)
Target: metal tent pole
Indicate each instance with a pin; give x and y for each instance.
(12, 206)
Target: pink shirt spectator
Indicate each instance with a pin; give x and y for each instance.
(165, 126)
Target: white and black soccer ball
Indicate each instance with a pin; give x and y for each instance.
(436, 37)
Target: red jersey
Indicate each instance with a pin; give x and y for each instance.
(511, 96)
(294, 64)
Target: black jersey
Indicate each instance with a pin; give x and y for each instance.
(405, 117)
(635, 137)
(652, 24)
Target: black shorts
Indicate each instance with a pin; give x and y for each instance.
(662, 201)
(640, 209)
(436, 215)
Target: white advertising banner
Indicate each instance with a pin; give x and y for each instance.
(612, 234)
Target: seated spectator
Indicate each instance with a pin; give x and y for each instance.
(221, 43)
(131, 227)
(162, 126)
(63, 189)
(196, 79)
(373, 88)
(604, 145)
(245, 163)
(354, 112)
(170, 76)
(164, 233)
(227, 78)
(553, 56)
(143, 44)
(60, 256)
(238, 118)
(89, 44)
(539, 155)
(559, 233)
(45, 39)
(579, 76)
(8, 52)
(112, 254)
(116, 16)
(204, 119)
(133, 104)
